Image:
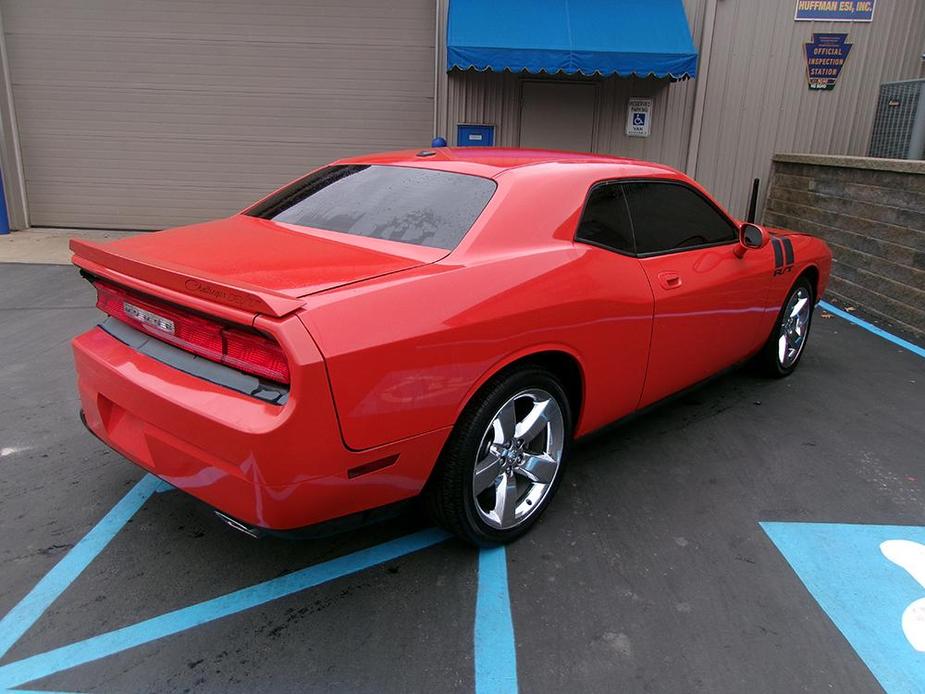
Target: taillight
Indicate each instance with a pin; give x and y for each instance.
(255, 354)
(247, 351)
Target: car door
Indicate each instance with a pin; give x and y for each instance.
(708, 302)
(614, 272)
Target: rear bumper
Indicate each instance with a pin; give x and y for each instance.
(271, 466)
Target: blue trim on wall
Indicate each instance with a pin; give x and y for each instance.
(4, 215)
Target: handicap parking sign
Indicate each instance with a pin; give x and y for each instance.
(637, 117)
(870, 581)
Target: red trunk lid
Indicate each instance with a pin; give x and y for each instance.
(253, 264)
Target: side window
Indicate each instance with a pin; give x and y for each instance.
(606, 221)
(669, 216)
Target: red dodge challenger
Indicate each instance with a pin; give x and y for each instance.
(437, 322)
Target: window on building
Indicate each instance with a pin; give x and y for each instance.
(670, 216)
(419, 206)
(605, 221)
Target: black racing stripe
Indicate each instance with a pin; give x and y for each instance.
(778, 253)
(788, 251)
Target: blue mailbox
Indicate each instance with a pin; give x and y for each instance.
(468, 135)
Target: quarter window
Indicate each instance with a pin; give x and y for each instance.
(606, 221)
(669, 217)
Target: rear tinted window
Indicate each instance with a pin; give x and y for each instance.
(419, 206)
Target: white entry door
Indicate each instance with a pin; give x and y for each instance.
(557, 115)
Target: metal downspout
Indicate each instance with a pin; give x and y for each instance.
(706, 48)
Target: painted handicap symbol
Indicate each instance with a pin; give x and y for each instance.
(910, 556)
(870, 581)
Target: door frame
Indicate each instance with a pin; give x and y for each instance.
(561, 79)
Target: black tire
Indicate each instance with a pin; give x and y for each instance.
(769, 360)
(450, 497)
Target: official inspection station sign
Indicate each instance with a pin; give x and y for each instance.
(825, 56)
(835, 10)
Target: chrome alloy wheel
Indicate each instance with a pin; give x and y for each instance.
(794, 327)
(518, 458)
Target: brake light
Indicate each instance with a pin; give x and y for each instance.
(247, 351)
(256, 354)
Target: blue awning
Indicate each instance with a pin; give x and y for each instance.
(588, 37)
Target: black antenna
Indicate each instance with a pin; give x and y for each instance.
(753, 202)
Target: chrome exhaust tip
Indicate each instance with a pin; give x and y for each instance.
(239, 526)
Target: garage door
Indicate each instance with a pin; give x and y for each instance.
(152, 113)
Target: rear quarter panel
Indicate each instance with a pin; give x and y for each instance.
(404, 359)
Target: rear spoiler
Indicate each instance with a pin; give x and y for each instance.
(96, 259)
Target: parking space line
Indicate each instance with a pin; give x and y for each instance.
(96, 647)
(495, 650)
(18, 620)
(896, 340)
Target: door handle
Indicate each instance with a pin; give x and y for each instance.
(669, 280)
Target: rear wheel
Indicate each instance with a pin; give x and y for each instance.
(785, 346)
(503, 461)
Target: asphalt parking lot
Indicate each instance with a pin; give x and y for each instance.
(651, 572)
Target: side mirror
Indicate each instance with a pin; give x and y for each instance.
(751, 236)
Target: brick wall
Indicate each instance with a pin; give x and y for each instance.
(872, 214)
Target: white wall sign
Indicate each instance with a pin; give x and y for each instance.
(638, 117)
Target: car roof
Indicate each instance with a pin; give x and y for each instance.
(491, 161)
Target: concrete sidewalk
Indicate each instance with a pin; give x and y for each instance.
(49, 246)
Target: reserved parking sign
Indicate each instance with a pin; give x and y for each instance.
(638, 117)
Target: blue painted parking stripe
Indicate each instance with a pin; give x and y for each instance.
(896, 340)
(495, 650)
(18, 620)
(164, 487)
(96, 647)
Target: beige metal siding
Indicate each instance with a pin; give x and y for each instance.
(672, 110)
(670, 120)
(151, 113)
(496, 99)
(492, 98)
(757, 101)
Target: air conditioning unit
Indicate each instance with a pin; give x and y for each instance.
(899, 123)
